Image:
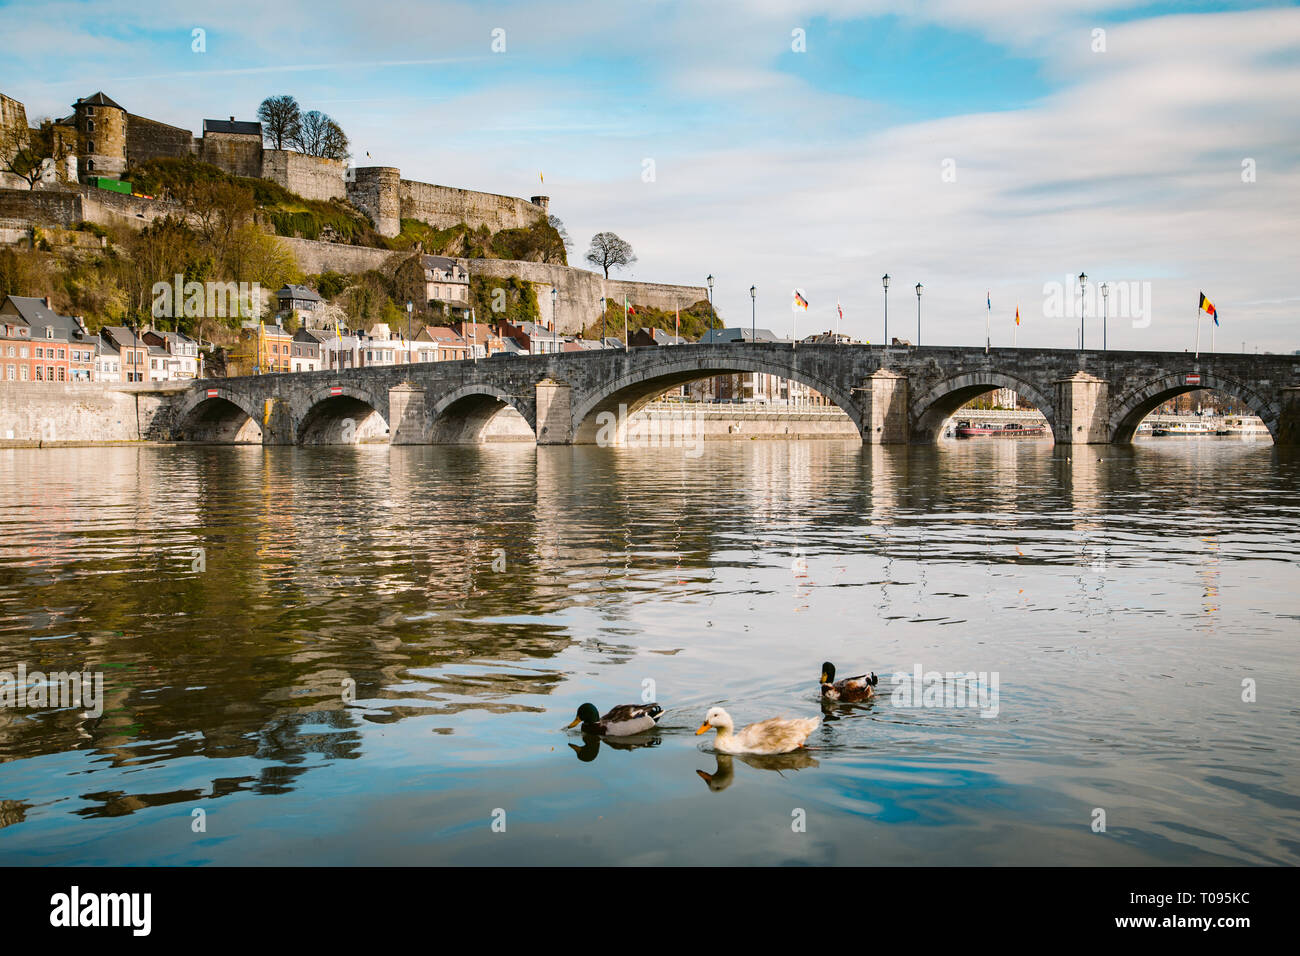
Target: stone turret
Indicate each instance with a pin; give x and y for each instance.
(543, 201)
(376, 191)
(101, 136)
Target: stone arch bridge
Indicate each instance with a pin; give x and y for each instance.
(891, 394)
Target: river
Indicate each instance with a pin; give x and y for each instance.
(368, 654)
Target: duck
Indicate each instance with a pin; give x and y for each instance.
(625, 720)
(774, 736)
(849, 689)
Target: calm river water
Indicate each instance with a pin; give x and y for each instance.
(1120, 600)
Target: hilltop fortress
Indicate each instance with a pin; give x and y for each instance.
(101, 138)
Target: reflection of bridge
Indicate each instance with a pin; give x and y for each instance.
(891, 395)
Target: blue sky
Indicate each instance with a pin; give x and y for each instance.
(822, 168)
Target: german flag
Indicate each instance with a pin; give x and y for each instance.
(800, 301)
(1208, 308)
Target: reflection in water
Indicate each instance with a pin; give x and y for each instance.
(380, 638)
(725, 772)
(591, 743)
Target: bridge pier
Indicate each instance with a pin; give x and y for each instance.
(1082, 410)
(554, 412)
(886, 419)
(410, 415)
(277, 422)
(1288, 419)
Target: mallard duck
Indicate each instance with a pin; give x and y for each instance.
(849, 689)
(775, 736)
(622, 721)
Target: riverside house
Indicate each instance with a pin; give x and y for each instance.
(40, 345)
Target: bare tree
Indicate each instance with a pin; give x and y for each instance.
(319, 135)
(23, 152)
(609, 250)
(281, 120)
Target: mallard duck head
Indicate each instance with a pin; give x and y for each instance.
(587, 714)
(828, 673)
(718, 719)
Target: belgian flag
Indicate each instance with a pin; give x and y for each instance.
(1208, 308)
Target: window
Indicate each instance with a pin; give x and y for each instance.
(49, 373)
(11, 372)
(38, 373)
(90, 165)
(40, 352)
(90, 147)
(90, 126)
(62, 353)
(49, 331)
(11, 351)
(60, 374)
(23, 376)
(90, 111)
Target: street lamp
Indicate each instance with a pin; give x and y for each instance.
(884, 281)
(408, 327)
(1083, 299)
(753, 314)
(1105, 301)
(555, 328)
(919, 287)
(709, 280)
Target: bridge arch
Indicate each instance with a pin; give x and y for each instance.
(217, 415)
(1140, 402)
(463, 415)
(932, 408)
(342, 415)
(635, 389)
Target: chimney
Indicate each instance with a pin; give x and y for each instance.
(47, 302)
(232, 119)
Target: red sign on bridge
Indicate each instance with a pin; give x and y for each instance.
(212, 393)
(338, 389)
(1193, 379)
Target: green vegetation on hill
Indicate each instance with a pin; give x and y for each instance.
(187, 181)
(695, 320)
(518, 298)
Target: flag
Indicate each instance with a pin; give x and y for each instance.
(990, 300)
(540, 176)
(800, 301)
(839, 308)
(1207, 307)
(1017, 313)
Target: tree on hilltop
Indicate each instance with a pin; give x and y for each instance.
(23, 151)
(281, 120)
(318, 135)
(608, 250)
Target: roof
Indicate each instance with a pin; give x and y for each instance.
(37, 314)
(438, 262)
(298, 292)
(721, 336)
(440, 333)
(246, 127)
(98, 99)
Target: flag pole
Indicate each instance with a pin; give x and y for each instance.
(988, 317)
(1198, 330)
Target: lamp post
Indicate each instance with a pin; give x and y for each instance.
(555, 327)
(884, 281)
(753, 313)
(409, 305)
(1105, 301)
(1083, 299)
(918, 314)
(709, 280)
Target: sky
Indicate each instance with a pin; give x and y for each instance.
(991, 150)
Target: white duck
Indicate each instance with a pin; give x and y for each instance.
(774, 736)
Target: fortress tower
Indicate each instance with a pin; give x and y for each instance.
(101, 136)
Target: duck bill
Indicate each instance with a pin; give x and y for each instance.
(703, 727)
(576, 721)
(824, 680)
